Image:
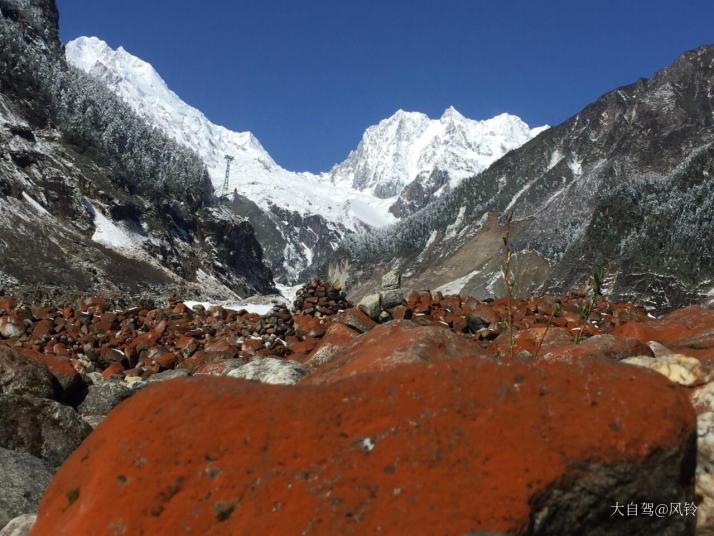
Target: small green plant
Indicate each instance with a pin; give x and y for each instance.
(554, 312)
(594, 294)
(508, 280)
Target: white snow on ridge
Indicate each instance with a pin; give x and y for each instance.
(353, 193)
(457, 285)
(114, 235)
(408, 144)
(254, 174)
(39, 208)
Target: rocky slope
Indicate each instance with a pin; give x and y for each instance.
(91, 197)
(624, 186)
(300, 217)
(546, 435)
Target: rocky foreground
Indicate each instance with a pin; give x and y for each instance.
(409, 413)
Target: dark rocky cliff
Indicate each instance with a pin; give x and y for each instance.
(625, 186)
(91, 198)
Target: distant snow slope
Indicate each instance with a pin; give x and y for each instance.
(360, 189)
(408, 144)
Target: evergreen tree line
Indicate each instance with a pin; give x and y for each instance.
(143, 160)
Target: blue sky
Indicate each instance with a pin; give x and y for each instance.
(307, 77)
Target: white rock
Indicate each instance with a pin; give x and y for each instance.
(271, 370)
(20, 526)
(678, 368)
(705, 468)
(659, 349)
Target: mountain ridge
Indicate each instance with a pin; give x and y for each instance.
(643, 145)
(338, 202)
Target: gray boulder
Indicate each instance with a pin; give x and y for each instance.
(371, 305)
(169, 375)
(271, 370)
(392, 298)
(23, 480)
(19, 526)
(102, 397)
(21, 376)
(392, 280)
(41, 427)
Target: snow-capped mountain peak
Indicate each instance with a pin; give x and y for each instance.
(408, 145)
(361, 191)
(452, 114)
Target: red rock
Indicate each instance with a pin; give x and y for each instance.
(674, 329)
(334, 341)
(393, 344)
(42, 328)
(356, 318)
(180, 309)
(115, 369)
(306, 346)
(201, 357)
(252, 345)
(64, 372)
(424, 303)
(412, 299)
(60, 349)
(485, 313)
(529, 340)
(222, 345)
(109, 355)
(308, 326)
(105, 323)
(167, 361)
(219, 368)
(11, 327)
(607, 346)
(187, 345)
(21, 375)
(457, 447)
(400, 312)
(7, 303)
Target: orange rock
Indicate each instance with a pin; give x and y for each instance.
(252, 345)
(42, 328)
(334, 341)
(7, 303)
(393, 344)
(400, 312)
(305, 346)
(61, 368)
(308, 326)
(115, 369)
(167, 360)
(356, 318)
(529, 340)
(457, 447)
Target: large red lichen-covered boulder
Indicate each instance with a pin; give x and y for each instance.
(393, 344)
(453, 447)
(688, 331)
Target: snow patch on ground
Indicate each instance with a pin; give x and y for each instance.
(556, 157)
(576, 166)
(39, 208)
(114, 235)
(258, 308)
(289, 293)
(432, 238)
(259, 304)
(457, 285)
(452, 229)
(523, 190)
